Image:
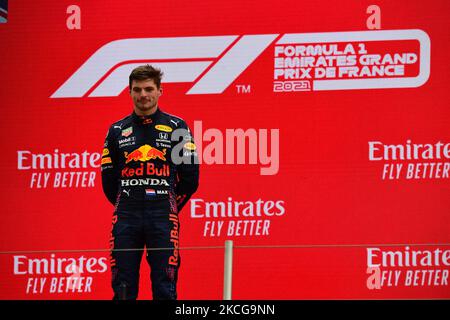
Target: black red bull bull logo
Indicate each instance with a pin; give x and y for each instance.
(145, 153)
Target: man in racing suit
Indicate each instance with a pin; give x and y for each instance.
(149, 171)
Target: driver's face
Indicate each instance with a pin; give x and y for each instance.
(145, 95)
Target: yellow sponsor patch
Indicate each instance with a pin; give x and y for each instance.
(190, 146)
(105, 152)
(106, 160)
(164, 128)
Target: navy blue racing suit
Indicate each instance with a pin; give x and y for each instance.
(149, 172)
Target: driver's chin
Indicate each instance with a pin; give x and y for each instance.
(144, 106)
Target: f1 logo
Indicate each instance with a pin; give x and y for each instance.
(183, 59)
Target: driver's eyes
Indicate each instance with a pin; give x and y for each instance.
(137, 90)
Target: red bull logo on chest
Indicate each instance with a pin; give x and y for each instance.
(145, 153)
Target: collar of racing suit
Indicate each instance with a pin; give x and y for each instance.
(146, 119)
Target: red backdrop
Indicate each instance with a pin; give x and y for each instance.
(356, 203)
